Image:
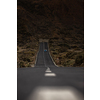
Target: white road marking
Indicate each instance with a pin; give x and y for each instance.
(48, 70)
(51, 56)
(50, 74)
(56, 93)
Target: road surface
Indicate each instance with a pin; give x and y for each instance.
(46, 81)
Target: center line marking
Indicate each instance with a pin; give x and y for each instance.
(50, 74)
(48, 70)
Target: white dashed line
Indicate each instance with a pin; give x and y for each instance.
(50, 74)
(48, 70)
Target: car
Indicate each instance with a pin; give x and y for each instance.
(45, 50)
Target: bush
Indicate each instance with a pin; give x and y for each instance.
(28, 65)
(71, 55)
(26, 59)
(68, 62)
(79, 60)
(21, 64)
(62, 49)
(64, 64)
(74, 46)
(54, 53)
(28, 46)
(51, 41)
(70, 28)
(56, 38)
(17, 48)
(63, 44)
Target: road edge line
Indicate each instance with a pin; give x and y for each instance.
(51, 56)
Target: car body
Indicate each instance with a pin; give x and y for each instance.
(45, 49)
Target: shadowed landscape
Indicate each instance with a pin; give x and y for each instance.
(50, 50)
(60, 21)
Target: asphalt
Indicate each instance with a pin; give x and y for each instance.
(46, 75)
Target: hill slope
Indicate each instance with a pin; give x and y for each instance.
(58, 20)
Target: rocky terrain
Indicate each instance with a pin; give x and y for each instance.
(60, 21)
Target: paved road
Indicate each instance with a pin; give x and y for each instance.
(46, 81)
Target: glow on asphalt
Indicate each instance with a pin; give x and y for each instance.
(56, 93)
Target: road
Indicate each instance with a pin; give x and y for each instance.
(46, 81)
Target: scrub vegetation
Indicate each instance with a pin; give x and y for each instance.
(60, 21)
(68, 49)
(26, 54)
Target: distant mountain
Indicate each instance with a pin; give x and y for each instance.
(37, 17)
(60, 21)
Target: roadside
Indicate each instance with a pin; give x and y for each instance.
(26, 54)
(68, 49)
